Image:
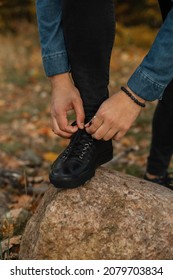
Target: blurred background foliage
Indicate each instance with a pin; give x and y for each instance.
(134, 12)
(129, 12)
(23, 83)
(15, 10)
(27, 144)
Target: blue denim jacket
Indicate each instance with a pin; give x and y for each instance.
(148, 81)
(156, 70)
(54, 55)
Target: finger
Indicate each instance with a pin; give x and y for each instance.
(90, 122)
(94, 125)
(80, 115)
(118, 136)
(58, 131)
(62, 123)
(109, 135)
(101, 132)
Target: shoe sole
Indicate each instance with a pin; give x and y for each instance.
(74, 183)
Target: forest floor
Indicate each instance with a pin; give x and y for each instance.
(27, 143)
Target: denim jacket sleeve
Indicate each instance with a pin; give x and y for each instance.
(156, 70)
(54, 55)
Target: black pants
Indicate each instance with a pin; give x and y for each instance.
(162, 126)
(89, 30)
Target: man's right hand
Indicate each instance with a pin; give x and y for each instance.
(65, 97)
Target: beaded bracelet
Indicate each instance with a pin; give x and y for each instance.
(132, 97)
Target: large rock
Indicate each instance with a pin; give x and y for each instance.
(114, 216)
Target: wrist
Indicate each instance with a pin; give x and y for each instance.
(59, 79)
(136, 99)
(135, 95)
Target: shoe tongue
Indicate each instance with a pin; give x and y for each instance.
(81, 138)
(79, 135)
(84, 134)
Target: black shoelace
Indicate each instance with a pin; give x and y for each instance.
(80, 144)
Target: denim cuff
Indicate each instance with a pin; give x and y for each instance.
(56, 63)
(144, 86)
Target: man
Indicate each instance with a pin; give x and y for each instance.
(162, 130)
(78, 35)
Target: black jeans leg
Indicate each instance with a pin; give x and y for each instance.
(162, 135)
(165, 7)
(89, 30)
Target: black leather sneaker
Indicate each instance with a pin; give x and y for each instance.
(78, 162)
(166, 181)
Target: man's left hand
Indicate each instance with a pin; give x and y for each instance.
(114, 117)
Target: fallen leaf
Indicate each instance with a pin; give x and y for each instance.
(2, 102)
(63, 142)
(9, 243)
(22, 201)
(49, 156)
(44, 131)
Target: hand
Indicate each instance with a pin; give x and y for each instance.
(114, 117)
(65, 97)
